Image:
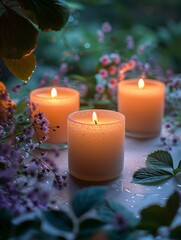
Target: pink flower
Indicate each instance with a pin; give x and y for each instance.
(115, 58)
(120, 76)
(103, 72)
(105, 60)
(112, 90)
(100, 36)
(83, 90)
(106, 27)
(132, 64)
(124, 68)
(56, 80)
(112, 70)
(100, 88)
(113, 81)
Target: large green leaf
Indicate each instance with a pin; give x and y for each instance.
(160, 159)
(150, 175)
(48, 15)
(86, 199)
(18, 36)
(21, 68)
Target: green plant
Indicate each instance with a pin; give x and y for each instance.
(18, 34)
(92, 216)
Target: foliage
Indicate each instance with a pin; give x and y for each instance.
(159, 167)
(18, 35)
(99, 219)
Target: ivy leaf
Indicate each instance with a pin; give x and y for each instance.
(86, 199)
(150, 175)
(59, 220)
(21, 68)
(88, 228)
(159, 159)
(18, 36)
(172, 205)
(48, 15)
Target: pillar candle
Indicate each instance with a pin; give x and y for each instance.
(143, 106)
(56, 103)
(96, 144)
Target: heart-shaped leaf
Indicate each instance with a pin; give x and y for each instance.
(21, 68)
(150, 175)
(159, 159)
(86, 199)
(18, 36)
(48, 15)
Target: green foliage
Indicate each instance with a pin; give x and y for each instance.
(159, 167)
(108, 220)
(86, 199)
(18, 36)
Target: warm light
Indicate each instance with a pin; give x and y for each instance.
(53, 93)
(94, 117)
(141, 83)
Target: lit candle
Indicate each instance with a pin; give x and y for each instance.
(96, 144)
(142, 103)
(56, 103)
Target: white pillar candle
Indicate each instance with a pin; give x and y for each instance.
(142, 105)
(96, 144)
(56, 104)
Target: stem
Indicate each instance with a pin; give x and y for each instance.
(3, 3)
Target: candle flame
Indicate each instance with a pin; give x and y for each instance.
(141, 83)
(94, 117)
(53, 93)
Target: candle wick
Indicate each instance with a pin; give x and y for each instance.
(95, 121)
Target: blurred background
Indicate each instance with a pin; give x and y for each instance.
(140, 29)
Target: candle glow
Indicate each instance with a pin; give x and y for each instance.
(53, 93)
(94, 117)
(141, 83)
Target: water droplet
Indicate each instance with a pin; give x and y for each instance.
(139, 195)
(87, 45)
(127, 190)
(159, 188)
(132, 206)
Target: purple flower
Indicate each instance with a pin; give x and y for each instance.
(130, 42)
(106, 27)
(63, 68)
(100, 36)
(100, 88)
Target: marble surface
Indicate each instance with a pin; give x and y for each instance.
(133, 196)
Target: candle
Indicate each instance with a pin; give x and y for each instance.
(96, 144)
(142, 103)
(56, 103)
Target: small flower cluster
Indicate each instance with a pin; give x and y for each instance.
(24, 167)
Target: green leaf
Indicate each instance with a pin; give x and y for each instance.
(152, 218)
(172, 205)
(159, 159)
(108, 209)
(18, 36)
(88, 228)
(179, 164)
(21, 68)
(27, 226)
(59, 220)
(48, 15)
(150, 175)
(86, 199)
(176, 233)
